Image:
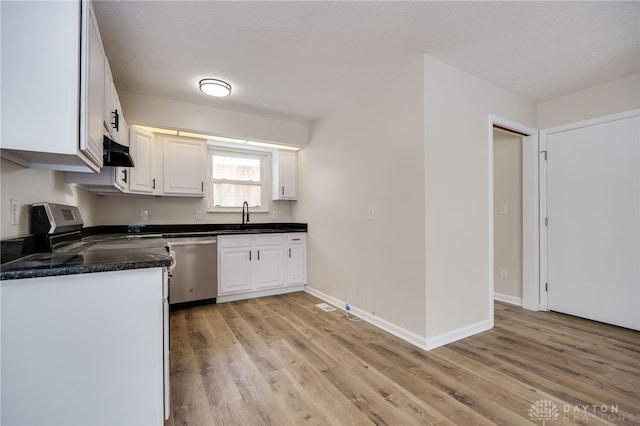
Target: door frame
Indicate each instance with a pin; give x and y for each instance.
(531, 288)
(544, 299)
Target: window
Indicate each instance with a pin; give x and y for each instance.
(238, 176)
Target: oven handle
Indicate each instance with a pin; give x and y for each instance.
(173, 264)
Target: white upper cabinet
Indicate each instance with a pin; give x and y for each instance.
(285, 175)
(142, 177)
(52, 67)
(166, 165)
(184, 166)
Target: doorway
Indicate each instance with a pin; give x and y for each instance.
(530, 253)
(507, 212)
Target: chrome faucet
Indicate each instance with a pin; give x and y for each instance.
(245, 220)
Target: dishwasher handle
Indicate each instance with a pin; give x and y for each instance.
(191, 243)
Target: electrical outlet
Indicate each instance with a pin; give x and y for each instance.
(504, 274)
(504, 209)
(198, 214)
(15, 212)
(144, 214)
(275, 215)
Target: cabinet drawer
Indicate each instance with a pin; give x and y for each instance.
(269, 240)
(234, 241)
(296, 238)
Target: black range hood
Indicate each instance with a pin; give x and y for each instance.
(116, 155)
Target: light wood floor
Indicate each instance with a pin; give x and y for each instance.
(282, 361)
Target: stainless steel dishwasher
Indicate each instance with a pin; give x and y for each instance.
(195, 275)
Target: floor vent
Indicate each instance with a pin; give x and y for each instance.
(325, 307)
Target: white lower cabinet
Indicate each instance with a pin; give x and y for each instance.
(84, 349)
(296, 258)
(270, 261)
(235, 269)
(259, 265)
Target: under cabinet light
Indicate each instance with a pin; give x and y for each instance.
(157, 130)
(272, 145)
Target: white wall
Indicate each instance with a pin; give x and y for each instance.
(610, 98)
(29, 186)
(456, 164)
(368, 153)
(158, 112)
(507, 228)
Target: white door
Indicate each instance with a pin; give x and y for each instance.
(593, 233)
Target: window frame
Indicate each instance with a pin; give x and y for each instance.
(265, 177)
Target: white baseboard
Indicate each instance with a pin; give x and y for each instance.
(461, 333)
(261, 293)
(408, 336)
(400, 332)
(507, 299)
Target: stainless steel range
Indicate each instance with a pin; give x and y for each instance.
(56, 225)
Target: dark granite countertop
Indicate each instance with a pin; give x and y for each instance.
(88, 258)
(115, 248)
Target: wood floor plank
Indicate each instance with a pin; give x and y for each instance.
(188, 399)
(280, 360)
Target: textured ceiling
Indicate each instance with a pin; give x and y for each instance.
(298, 60)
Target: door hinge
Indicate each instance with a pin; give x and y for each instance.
(546, 221)
(545, 154)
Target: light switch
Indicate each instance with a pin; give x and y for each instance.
(15, 212)
(504, 274)
(198, 214)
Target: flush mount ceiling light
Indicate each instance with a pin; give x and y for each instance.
(213, 87)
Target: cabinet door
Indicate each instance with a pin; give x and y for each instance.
(92, 90)
(269, 266)
(111, 105)
(296, 260)
(43, 38)
(235, 271)
(121, 178)
(141, 176)
(285, 175)
(184, 166)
